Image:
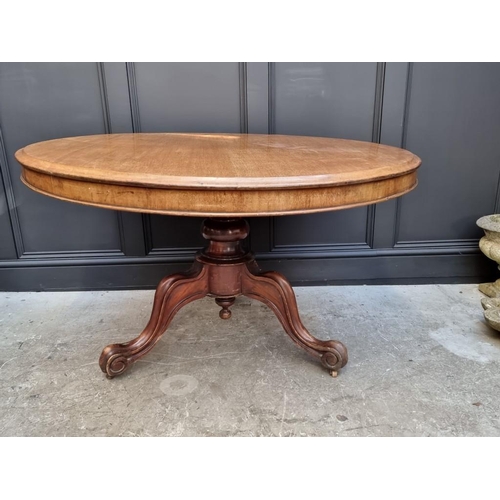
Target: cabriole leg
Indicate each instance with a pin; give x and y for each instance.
(275, 291)
(173, 292)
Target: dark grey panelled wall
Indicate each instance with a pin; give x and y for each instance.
(447, 113)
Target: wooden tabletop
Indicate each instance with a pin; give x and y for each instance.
(217, 174)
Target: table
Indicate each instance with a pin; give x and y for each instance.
(223, 177)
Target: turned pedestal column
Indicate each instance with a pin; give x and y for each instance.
(223, 270)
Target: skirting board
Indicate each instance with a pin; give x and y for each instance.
(102, 274)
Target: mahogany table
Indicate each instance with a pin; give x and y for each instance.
(224, 177)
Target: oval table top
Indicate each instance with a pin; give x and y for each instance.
(217, 175)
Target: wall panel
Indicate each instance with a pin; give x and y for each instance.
(453, 124)
(326, 100)
(447, 113)
(41, 101)
(185, 97)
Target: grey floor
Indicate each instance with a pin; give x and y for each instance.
(422, 363)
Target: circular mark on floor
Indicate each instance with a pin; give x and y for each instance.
(178, 385)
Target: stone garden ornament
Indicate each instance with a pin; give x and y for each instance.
(490, 246)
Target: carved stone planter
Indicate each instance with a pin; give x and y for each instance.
(491, 308)
(490, 246)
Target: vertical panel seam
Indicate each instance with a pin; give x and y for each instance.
(272, 233)
(103, 90)
(496, 207)
(271, 129)
(404, 136)
(271, 87)
(243, 95)
(243, 80)
(378, 102)
(132, 94)
(376, 135)
(404, 132)
(136, 128)
(11, 201)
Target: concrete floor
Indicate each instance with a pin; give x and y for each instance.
(422, 363)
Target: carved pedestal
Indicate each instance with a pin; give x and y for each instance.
(224, 271)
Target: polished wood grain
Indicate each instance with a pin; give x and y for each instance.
(218, 203)
(217, 174)
(223, 271)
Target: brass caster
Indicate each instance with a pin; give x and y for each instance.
(334, 374)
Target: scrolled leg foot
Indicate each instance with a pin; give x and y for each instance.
(115, 363)
(274, 290)
(336, 355)
(172, 293)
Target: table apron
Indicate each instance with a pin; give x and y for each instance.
(219, 202)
